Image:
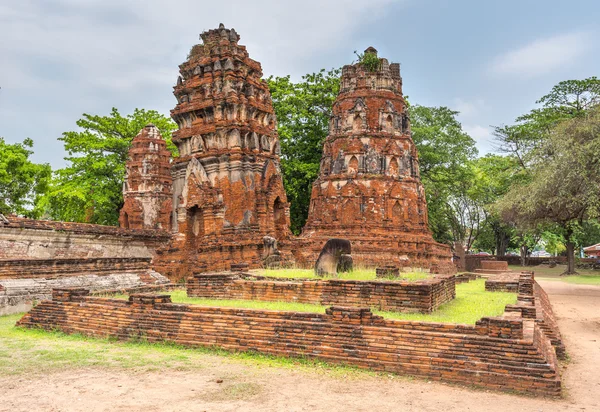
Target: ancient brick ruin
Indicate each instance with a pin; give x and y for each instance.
(512, 352)
(148, 186)
(368, 189)
(422, 296)
(228, 190)
(37, 256)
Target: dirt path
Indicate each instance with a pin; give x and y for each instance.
(249, 388)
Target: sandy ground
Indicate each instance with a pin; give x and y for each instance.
(248, 388)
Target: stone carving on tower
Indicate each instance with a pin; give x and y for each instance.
(369, 190)
(147, 189)
(227, 187)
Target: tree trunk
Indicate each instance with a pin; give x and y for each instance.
(524, 250)
(459, 250)
(570, 258)
(501, 244)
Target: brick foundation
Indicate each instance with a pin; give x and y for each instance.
(420, 296)
(510, 353)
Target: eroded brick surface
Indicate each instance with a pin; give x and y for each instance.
(147, 189)
(369, 190)
(228, 190)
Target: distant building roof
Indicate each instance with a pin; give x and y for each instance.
(592, 248)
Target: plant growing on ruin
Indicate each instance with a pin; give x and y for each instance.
(369, 61)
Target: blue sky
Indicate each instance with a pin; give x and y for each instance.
(490, 60)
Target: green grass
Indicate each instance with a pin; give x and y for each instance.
(356, 274)
(472, 302)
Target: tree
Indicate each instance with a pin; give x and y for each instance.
(445, 152)
(566, 100)
(89, 189)
(303, 111)
(565, 180)
(22, 182)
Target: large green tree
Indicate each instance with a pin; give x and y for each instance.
(445, 153)
(22, 182)
(303, 110)
(564, 188)
(566, 100)
(89, 189)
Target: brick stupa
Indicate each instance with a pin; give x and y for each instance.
(369, 190)
(147, 189)
(228, 189)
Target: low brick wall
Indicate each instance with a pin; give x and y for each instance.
(52, 268)
(509, 353)
(420, 296)
(506, 282)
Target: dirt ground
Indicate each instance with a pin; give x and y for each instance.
(248, 388)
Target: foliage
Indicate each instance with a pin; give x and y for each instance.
(566, 100)
(369, 60)
(22, 182)
(565, 178)
(445, 153)
(303, 110)
(89, 189)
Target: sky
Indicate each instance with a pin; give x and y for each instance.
(489, 60)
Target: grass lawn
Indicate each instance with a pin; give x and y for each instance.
(356, 274)
(472, 302)
(585, 276)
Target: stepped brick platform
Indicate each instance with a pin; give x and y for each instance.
(420, 296)
(492, 267)
(512, 352)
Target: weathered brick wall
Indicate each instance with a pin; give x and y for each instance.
(26, 238)
(52, 268)
(36, 255)
(494, 265)
(511, 354)
(506, 282)
(420, 296)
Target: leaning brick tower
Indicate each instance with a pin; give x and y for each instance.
(227, 187)
(369, 190)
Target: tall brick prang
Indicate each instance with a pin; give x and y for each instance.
(148, 186)
(369, 190)
(228, 189)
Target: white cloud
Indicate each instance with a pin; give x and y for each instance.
(477, 132)
(76, 56)
(468, 108)
(544, 55)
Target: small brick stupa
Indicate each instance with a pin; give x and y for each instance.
(369, 190)
(147, 189)
(228, 189)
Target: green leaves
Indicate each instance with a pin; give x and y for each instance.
(303, 110)
(22, 182)
(90, 188)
